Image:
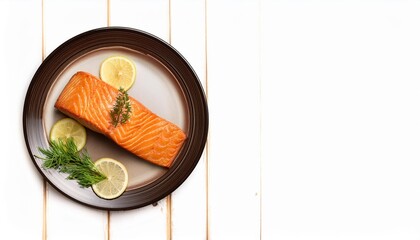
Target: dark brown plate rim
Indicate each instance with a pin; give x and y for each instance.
(139, 41)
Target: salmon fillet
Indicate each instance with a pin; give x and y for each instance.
(89, 100)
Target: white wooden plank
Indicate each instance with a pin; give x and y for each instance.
(145, 223)
(233, 97)
(149, 16)
(21, 184)
(63, 20)
(189, 200)
(340, 97)
(149, 222)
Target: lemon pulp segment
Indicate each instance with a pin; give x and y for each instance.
(118, 71)
(69, 128)
(117, 178)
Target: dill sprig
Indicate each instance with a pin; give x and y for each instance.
(64, 157)
(121, 111)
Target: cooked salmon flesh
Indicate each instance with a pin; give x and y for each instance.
(89, 100)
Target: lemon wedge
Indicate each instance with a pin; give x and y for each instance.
(69, 128)
(118, 71)
(116, 178)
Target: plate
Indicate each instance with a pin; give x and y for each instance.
(166, 84)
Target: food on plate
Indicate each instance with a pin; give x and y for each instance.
(118, 71)
(66, 158)
(121, 111)
(107, 177)
(89, 100)
(68, 128)
(116, 178)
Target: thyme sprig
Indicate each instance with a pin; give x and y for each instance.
(64, 157)
(121, 111)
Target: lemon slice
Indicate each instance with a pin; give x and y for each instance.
(68, 128)
(116, 178)
(118, 71)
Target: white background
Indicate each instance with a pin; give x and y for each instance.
(314, 119)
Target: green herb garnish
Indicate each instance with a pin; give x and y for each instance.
(64, 157)
(121, 110)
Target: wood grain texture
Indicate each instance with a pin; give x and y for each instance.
(340, 88)
(149, 222)
(63, 20)
(20, 45)
(314, 119)
(149, 16)
(189, 200)
(233, 97)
